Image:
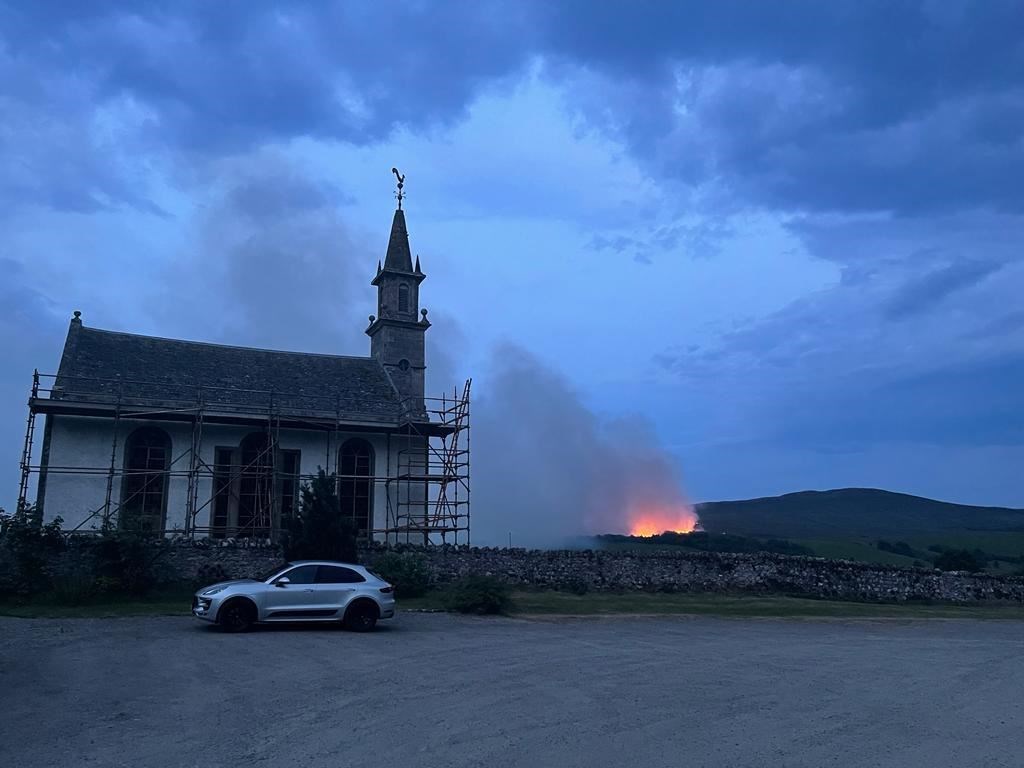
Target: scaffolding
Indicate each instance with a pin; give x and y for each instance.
(423, 476)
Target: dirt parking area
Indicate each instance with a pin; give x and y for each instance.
(439, 690)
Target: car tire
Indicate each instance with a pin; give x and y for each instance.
(361, 616)
(237, 615)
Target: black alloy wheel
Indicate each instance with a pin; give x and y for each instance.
(236, 616)
(361, 617)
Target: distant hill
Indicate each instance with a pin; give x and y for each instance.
(851, 512)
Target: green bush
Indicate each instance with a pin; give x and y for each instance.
(210, 573)
(576, 586)
(406, 571)
(319, 531)
(74, 583)
(478, 594)
(126, 562)
(959, 560)
(26, 548)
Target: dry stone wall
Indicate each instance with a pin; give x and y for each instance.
(717, 572)
(641, 570)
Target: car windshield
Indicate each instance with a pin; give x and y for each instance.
(271, 572)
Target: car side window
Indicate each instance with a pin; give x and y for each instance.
(304, 574)
(335, 574)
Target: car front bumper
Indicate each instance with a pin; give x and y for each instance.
(204, 608)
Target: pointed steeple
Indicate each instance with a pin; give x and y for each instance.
(399, 257)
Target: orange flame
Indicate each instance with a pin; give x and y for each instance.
(651, 522)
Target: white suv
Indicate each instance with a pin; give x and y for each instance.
(305, 590)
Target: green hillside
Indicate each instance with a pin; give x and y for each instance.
(854, 513)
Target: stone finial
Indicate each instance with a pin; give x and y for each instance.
(424, 313)
(373, 318)
(77, 317)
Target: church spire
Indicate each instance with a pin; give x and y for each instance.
(396, 333)
(399, 257)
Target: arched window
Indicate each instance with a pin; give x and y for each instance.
(147, 459)
(403, 298)
(255, 486)
(355, 462)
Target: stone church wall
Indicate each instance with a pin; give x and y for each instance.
(625, 571)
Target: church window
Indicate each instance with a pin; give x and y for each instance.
(403, 298)
(355, 472)
(403, 365)
(254, 489)
(221, 492)
(144, 489)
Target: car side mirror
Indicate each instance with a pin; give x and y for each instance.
(284, 581)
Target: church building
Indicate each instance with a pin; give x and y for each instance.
(209, 440)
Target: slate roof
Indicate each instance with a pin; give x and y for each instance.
(169, 372)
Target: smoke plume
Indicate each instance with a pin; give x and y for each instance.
(547, 470)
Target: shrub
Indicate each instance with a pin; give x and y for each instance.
(210, 573)
(576, 586)
(74, 582)
(896, 547)
(126, 562)
(406, 571)
(27, 547)
(478, 594)
(319, 531)
(959, 560)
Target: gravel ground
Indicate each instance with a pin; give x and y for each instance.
(438, 690)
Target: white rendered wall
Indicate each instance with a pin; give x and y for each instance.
(85, 443)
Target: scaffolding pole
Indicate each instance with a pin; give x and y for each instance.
(425, 483)
(26, 452)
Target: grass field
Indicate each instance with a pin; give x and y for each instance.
(162, 604)
(861, 550)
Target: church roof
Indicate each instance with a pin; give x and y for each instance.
(148, 370)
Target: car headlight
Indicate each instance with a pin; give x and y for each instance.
(212, 591)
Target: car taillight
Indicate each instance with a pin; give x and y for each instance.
(388, 589)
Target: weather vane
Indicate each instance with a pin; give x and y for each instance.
(401, 183)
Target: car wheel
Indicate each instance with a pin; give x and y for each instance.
(361, 616)
(236, 616)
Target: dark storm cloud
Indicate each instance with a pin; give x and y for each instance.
(223, 76)
(969, 403)
(879, 106)
(930, 289)
(903, 106)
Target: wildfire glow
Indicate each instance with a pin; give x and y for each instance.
(651, 522)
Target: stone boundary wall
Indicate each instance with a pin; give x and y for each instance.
(191, 561)
(718, 572)
(637, 570)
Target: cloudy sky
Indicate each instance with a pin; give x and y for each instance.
(781, 240)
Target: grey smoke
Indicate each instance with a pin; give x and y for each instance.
(547, 469)
(274, 265)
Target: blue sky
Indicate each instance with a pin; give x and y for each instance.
(780, 240)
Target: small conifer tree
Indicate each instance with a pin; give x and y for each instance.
(318, 530)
